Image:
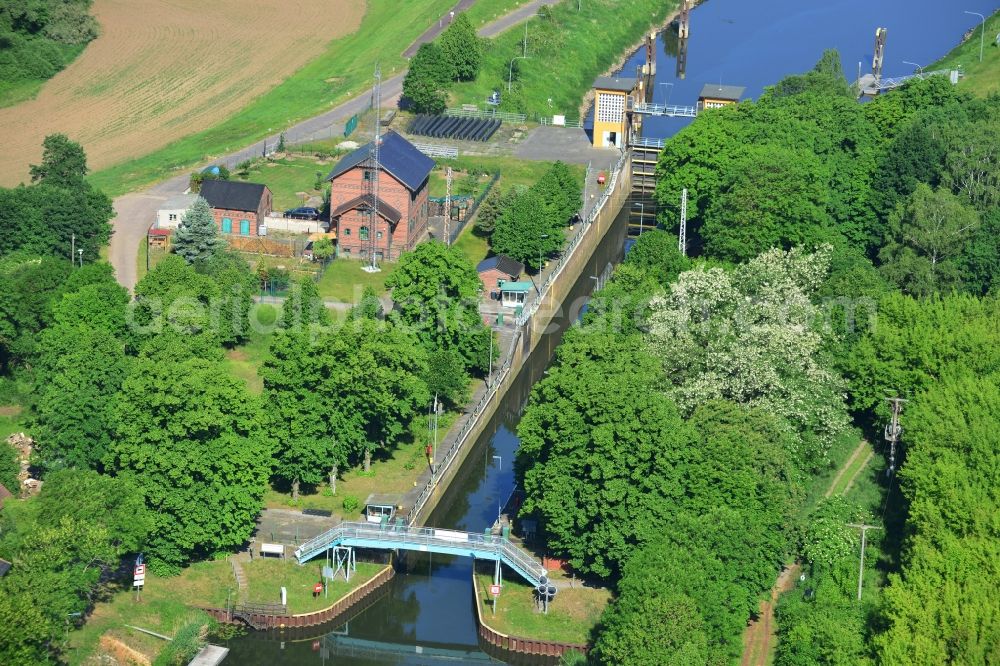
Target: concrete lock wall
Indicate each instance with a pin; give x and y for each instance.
(533, 330)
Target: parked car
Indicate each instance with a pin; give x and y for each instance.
(303, 213)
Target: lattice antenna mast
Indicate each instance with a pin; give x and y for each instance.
(682, 238)
(893, 431)
(375, 168)
(447, 207)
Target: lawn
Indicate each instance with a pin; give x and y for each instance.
(166, 604)
(163, 606)
(566, 51)
(10, 420)
(486, 11)
(244, 361)
(474, 246)
(395, 473)
(292, 180)
(981, 78)
(342, 71)
(266, 577)
(571, 617)
(344, 281)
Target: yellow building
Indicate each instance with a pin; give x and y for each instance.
(612, 104)
(716, 96)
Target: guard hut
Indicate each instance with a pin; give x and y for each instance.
(513, 294)
(381, 508)
(716, 96)
(613, 98)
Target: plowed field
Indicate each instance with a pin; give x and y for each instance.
(163, 69)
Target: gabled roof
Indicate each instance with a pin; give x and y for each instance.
(718, 91)
(502, 263)
(620, 83)
(365, 200)
(396, 155)
(233, 194)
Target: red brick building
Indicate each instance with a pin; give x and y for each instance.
(401, 222)
(494, 269)
(239, 208)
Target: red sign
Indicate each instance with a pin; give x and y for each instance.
(495, 590)
(317, 588)
(140, 570)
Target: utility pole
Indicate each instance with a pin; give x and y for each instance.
(374, 171)
(682, 239)
(864, 541)
(447, 207)
(893, 431)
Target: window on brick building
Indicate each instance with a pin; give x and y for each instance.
(378, 235)
(244, 227)
(227, 225)
(363, 233)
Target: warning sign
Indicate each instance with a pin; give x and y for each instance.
(495, 590)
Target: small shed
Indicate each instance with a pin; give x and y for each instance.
(172, 211)
(493, 270)
(513, 294)
(716, 95)
(158, 237)
(381, 507)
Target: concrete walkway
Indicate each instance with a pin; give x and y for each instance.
(136, 211)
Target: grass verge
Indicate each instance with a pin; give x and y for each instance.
(344, 281)
(266, 577)
(567, 49)
(343, 71)
(981, 78)
(571, 617)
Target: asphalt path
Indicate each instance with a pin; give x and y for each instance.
(136, 211)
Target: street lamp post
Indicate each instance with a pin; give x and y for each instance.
(982, 33)
(499, 469)
(642, 213)
(670, 90)
(510, 70)
(542, 237)
(920, 70)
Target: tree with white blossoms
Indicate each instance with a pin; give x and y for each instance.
(197, 238)
(751, 335)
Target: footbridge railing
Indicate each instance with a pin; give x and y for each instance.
(425, 539)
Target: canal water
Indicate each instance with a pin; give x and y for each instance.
(425, 615)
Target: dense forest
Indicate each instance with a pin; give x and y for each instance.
(839, 254)
(38, 38)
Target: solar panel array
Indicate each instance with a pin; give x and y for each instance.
(451, 127)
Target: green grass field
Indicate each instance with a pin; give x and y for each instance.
(343, 71)
(571, 617)
(166, 604)
(344, 281)
(981, 78)
(566, 51)
(291, 180)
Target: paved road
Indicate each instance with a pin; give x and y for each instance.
(135, 212)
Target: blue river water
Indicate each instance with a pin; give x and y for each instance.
(426, 614)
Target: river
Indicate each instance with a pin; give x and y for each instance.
(426, 615)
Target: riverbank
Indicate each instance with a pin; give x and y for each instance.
(979, 78)
(565, 52)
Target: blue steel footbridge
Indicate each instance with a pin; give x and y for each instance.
(482, 546)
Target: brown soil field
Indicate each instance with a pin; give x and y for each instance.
(163, 69)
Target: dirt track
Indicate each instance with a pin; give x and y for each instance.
(162, 69)
(760, 633)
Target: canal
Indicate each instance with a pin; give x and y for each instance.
(425, 615)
